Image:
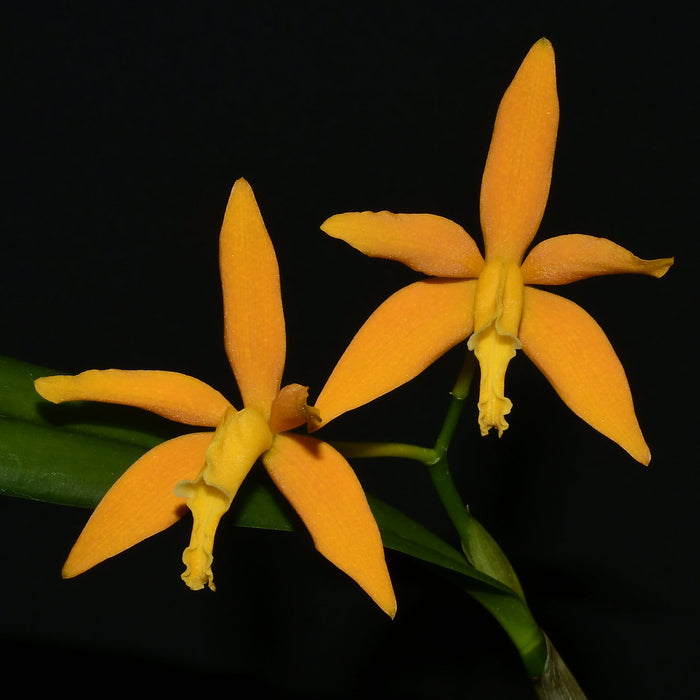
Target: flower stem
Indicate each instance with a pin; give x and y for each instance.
(481, 550)
(426, 455)
(438, 469)
(541, 662)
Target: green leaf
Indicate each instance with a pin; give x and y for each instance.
(486, 555)
(401, 533)
(51, 464)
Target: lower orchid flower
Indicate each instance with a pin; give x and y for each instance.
(205, 469)
(489, 300)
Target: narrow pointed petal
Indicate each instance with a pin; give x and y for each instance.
(141, 503)
(254, 331)
(323, 489)
(573, 353)
(290, 409)
(172, 395)
(518, 171)
(426, 243)
(575, 256)
(407, 333)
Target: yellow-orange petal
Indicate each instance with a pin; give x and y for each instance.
(575, 256)
(407, 333)
(141, 502)
(426, 243)
(518, 170)
(574, 354)
(172, 395)
(323, 489)
(290, 409)
(254, 331)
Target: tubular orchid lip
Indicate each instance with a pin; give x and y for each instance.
(482, 298)
(207, 468)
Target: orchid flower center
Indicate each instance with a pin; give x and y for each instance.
(498, 306)
(241, 437)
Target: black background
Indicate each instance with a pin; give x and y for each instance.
(126, 125)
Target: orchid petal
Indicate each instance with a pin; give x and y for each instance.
(575, 256)
(417, 240)
(254, 331)
(573, 353)
(174, 396)
(141, 503)
(324, 491)
(518, 170)
(407, 333)
(290, 409)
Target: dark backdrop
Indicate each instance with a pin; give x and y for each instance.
(125, 127)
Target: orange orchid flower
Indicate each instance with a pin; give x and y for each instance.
(207, 468)
(489, 299)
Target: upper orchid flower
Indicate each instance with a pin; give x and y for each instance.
(207, 468)
(486, 299)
